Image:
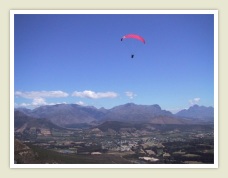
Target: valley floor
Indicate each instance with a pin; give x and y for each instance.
(154, 145)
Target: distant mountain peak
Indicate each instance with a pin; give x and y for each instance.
(195, 106)
(197, 112)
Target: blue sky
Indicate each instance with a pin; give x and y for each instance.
(80, 59)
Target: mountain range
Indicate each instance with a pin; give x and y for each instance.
(72, 115)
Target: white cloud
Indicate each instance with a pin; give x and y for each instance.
(39, 102)
(94, 95)
(81, 103)
(130, 94)
(22, 105)
(194, 101)
(39, 97)
(41, 94)
(35, 103)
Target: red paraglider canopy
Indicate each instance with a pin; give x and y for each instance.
(133, 36)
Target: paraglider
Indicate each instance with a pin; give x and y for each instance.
(133, 36)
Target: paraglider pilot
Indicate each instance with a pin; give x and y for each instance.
(137, 37)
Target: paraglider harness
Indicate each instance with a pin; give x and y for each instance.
(132, 56)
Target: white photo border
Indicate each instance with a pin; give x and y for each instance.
(14, 12)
